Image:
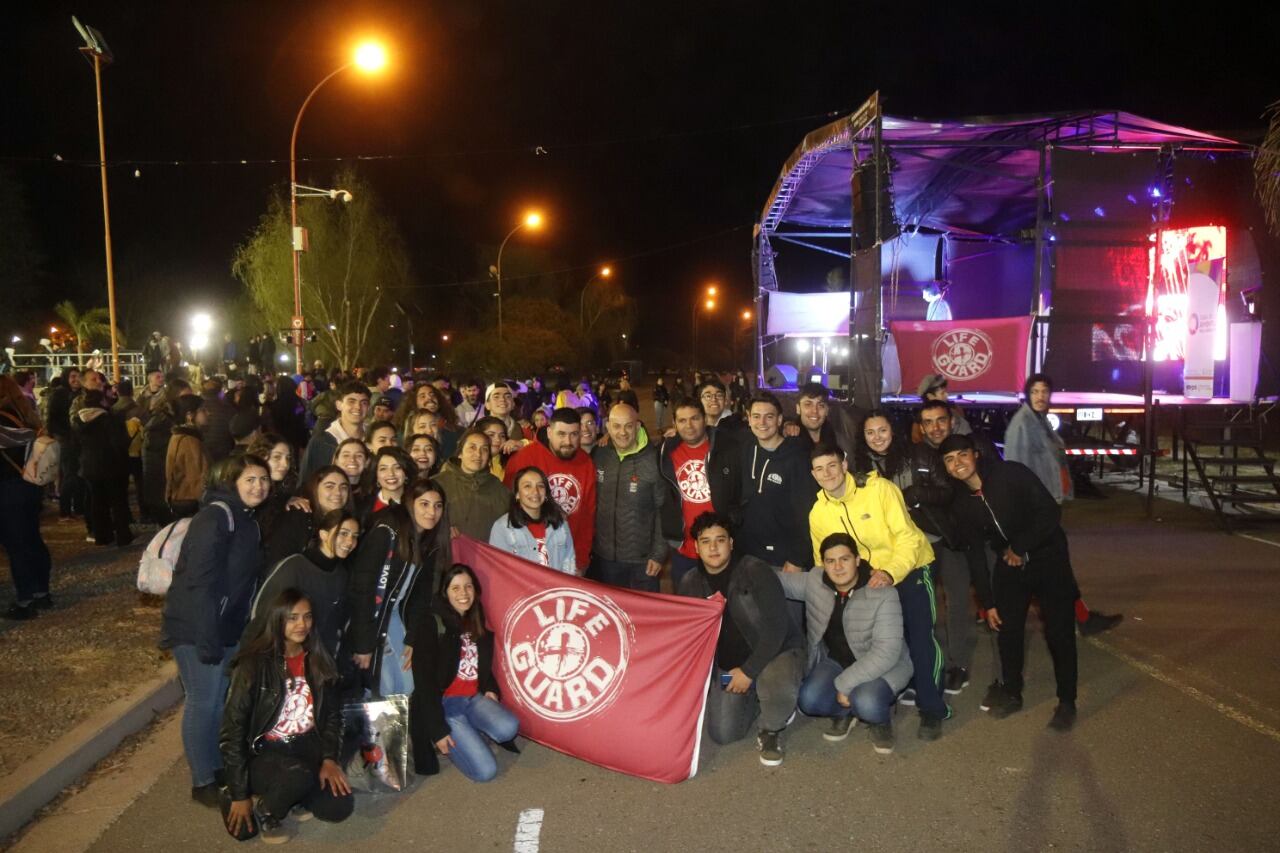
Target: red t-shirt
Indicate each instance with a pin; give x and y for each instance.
(573, 487)
(298, 713)
(467, 681)
(690, 464)
(539, 532)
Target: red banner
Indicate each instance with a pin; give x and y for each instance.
(974, 355)
(611, 676)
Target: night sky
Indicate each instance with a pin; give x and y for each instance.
(663, 125)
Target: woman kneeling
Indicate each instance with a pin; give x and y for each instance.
(456, 692)
(282, 727)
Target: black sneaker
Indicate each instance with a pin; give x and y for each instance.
(882, 738)
(956, 679)
(21, 612)
(770, 744)
(994, 694)
(301, 813)
(1099, 622)
(1064, 717)
(838, 728)
(271, 830)
(930, 727)
(907, 697)
(207, 795)
(1010, 703)
(42, 602)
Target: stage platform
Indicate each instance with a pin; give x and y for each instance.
(1068, 402)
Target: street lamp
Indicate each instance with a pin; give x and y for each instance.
(95, 49)
(531, 220)
(201, 324)
(370, 58)
(603, 272)
(709, 303)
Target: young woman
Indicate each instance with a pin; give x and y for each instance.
(392, 575)
(294, 531)
(282, 728)
(20, 504)
(104, 464)
(425, 452)
(284, 479)
(496, 431)
(379, 435)
(320, 572)
(157, 428)
(457, 693)
(186, 464)
(353, 458)
(422, 422)
(534, 527)
(393, 471)
(208, 606)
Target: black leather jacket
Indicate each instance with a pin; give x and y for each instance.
(253, 705)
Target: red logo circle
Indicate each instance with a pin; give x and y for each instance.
(962, 354)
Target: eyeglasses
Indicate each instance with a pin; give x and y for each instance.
(712, 395)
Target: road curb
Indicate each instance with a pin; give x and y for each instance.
(45, 775)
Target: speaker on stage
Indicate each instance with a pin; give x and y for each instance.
(780, 376)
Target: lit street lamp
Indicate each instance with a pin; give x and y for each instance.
(370, 58)
(709, 303)
(531, 220)
(201, 325)
(604, 272)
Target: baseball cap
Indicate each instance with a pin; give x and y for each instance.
(931, 382)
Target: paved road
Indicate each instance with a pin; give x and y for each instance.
(1177, 748)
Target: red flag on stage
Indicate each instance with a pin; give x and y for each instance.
(974, 355)
(611, 676)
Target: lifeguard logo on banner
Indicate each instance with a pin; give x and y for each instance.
(566, 491)
(962, 354)
(567, 651)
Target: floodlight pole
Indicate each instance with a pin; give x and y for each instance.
(497, 272)
(106, 214)
(294, 237)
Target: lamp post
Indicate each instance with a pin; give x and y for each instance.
(531, 220)
(370, 58)
(604, 272)
(96, 51)
(709, 303)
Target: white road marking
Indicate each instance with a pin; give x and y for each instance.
(528, 831)
(1259, 539)
(1200, 696)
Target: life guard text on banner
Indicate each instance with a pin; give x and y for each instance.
(974, 355)
(611, 676)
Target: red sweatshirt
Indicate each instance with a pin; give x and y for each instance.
(573, 486)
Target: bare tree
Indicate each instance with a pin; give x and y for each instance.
(1266, 168)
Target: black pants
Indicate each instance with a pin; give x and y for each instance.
(286, 774)
(135, 474)
(1050, 580)
(109, 511)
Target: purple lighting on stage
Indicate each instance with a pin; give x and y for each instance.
(1154, 192)
(1098, 211)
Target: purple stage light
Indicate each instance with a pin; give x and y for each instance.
(1098, 211)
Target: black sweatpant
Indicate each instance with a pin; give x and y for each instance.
(286, 774)
(1050, 580)
(109, 511)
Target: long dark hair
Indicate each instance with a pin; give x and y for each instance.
(416, 546)
(402, 458)
(552, 515)
(473, 620)
(895, 460)
(269, 643)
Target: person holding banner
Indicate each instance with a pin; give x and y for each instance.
(858, 659)
(759, 658)
(535, 528)
(457, 693)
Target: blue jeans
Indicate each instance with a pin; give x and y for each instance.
(205, 686)
(625, 575)
(870, 701)
(20, 538)
(469, 719)
(680, 566)
(393, 678)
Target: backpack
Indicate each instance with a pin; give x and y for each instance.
(41, 452)
(155, 569)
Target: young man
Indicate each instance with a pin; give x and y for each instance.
(1018, 515)
(777, 491)
(858, 659)
(476, 498)
(872, 511)
(715, 404)
(571, 475)
(934, 387)
(469, 410)
(629, 548)
(823, 423)
(500, 402)
(703, 474)
(760, 656)
(353, 408)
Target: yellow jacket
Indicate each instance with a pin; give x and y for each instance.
(877, 518)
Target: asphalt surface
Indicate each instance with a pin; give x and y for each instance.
(1177, 746)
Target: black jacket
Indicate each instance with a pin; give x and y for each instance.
(290, 533)
(104, 445)
(436, 652)
(253, 705)
(218, 442)
(325, 581)
(59, 420)
(724, 476)
(213, 581)
(778, 491)
(757, 606)
(630, 495)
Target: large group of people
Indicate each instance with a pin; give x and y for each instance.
(849, 548)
